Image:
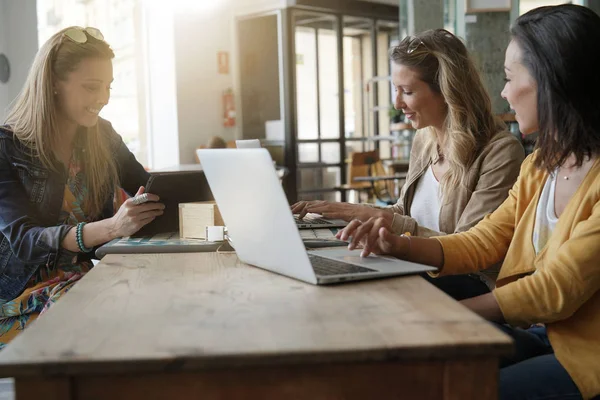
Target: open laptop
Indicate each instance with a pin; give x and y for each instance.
(309, 221)
(314, 221)
(248, 144)
(262, 228)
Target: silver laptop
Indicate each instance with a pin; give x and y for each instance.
(262, 228)
(248, 144)
(314, 221)
(309, 221)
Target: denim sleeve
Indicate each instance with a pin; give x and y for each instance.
(20, 222)
(132, 174)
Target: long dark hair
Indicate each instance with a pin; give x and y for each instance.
(559, 46)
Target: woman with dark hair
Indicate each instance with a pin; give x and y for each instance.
(463, 162)
(547, 295)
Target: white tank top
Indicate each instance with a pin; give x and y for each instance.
(545, 216)
(425, 207)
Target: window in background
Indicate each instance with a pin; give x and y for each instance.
(358, 68)
(450, 15)
(116, 19)
(528, 5)
(317, 105)
(387, 37)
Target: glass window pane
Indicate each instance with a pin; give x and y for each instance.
(319, 178)
(328, 196)
(450, 15)
(385, 149)
(353, 118)
(328, 83)
(332, 196)
(352, 147)
(330, 153)
(331, 177)
(387, 36)
(306, 83)
(357, 70)
(528, 5)
(308, 153)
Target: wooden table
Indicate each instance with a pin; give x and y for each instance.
(170, 326)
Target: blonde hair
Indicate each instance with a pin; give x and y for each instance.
(33, 115)
(442, 61)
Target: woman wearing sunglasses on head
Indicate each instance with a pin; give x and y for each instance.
(548, 230)
(462, 162)
(61, 173)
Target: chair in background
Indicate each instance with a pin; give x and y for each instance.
(367, 173)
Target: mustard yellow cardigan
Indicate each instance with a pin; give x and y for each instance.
(559, 286)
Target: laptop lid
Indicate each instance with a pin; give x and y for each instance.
(254, 208)
(315, 221)
(248, 144)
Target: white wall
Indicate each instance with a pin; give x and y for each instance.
(199, 36)
(160, 91)
(18, 40)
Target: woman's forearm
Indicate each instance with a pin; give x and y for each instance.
(93, 234)
(422, 250)
(486, 306)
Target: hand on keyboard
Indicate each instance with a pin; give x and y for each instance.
(375, 236)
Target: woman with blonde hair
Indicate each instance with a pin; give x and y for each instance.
(61, 173)
(463, 161)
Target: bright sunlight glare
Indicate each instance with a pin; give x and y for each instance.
(179, 6)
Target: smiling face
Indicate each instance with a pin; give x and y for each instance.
(421, 105)
(85, 91)
(520, 90)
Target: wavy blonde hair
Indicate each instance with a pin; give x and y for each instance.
(442, 61)
(33, 116)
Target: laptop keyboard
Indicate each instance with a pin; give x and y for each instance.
(325, 266)
(312, 221)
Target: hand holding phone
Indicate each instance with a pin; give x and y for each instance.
(135, 213)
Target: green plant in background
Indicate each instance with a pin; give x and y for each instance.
(396, 116)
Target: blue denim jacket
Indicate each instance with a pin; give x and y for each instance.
(31, 199)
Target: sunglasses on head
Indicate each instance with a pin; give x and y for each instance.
(414, 42)
(80, 35)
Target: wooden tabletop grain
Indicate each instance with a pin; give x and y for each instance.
(185, 312)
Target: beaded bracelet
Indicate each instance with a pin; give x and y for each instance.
(79, 238)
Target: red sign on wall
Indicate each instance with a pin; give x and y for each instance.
(228, 109)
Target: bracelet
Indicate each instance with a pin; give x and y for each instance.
(407, 235)
(79, 238)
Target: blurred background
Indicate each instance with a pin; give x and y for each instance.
(309, 78)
